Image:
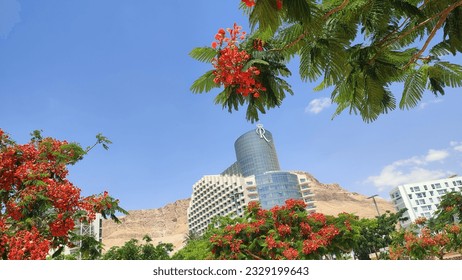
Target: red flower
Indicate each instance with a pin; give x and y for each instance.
(271, 243)
(279, 4)
(454, 229)
(229, 65)
(309, 246)
(305, 228)
(249, 3)
(420, 221)
(295, 204)
(290, 254)
(283, 230)
(258, 44)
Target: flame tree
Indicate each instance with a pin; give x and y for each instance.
(357, 49)
(39, 206)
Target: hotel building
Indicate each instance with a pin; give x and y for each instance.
(255, 176)
(422, 199)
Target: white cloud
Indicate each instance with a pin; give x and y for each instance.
(9, 16)
(424, 105)
(436, 155)
(391, 176)
(317, 105)
(409, 170)
(456, 146)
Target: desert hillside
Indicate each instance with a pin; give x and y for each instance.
(169, 223)
(332, 199)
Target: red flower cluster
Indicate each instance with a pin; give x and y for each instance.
(284, 230)
(61, 226)
(454, 229)
(318, 217)
(32, 177)
(310, 246)
(229, 66)
(295, 204)
(279, 4)
(420, 220)
(290, 254)
(26, 244)
(276, 236)
(251, 3)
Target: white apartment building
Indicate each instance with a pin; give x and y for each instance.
(222, 195)
(422, 199)
(95, 229)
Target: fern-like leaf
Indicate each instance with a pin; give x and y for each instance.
(204, 83)
(203, 54)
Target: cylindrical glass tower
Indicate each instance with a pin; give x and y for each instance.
(274, 188)
(255, 152)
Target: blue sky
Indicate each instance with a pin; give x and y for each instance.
(77, 68)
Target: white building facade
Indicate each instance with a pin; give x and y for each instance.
(422, 199)
(224, 195)
(95, 229)
(255, 176)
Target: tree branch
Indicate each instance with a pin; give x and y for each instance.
(325, 17)
(334, 10)
(253, 255)
(444, 14)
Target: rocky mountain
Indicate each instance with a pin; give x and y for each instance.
(332, 199)
(169, 223)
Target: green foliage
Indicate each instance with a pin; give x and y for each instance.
(449, 210)
(433, 238)
(39, 206)
(284, 232)
(131, 250)
(358, 49)
(197, 247)
(376, 234)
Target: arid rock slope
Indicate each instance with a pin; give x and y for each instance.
(169, 223)
(332, 199)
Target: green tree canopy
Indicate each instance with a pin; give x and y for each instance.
(131, 250)
(357, 49)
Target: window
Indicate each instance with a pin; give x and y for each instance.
(426, 208)
(410, 196)
(417, 189)
(441, 192)
(425, 187)
(302, 180)
(420, 195)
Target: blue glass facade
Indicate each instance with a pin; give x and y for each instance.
(274, 188)
(256, 153)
